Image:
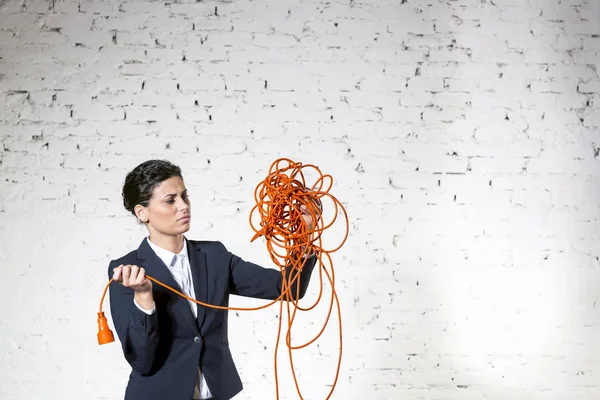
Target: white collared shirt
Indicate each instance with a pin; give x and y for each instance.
(181, 275)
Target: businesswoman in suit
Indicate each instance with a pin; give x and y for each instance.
(179, 350)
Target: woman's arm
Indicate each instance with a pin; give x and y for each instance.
(304, 278)
(251, 280)
(137, 330)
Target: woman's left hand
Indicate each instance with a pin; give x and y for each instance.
(307, 216)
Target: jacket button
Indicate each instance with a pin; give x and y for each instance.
(197, 339)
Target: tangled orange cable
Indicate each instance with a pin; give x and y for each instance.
(278, 202)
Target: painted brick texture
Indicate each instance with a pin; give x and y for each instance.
(463, 138)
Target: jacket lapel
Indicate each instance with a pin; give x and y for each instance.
(199, 277)
(156, 268)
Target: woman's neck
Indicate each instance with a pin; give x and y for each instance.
(172, 243)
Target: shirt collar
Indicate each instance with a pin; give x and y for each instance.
(165, 255)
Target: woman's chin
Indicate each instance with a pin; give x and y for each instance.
(180, 229)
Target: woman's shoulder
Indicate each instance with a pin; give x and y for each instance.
(207, 245)
(129, 258)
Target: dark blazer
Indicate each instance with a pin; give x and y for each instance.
(166, 348)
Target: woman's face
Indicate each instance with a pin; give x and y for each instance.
(169, 210)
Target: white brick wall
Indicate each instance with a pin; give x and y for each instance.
(463, 137)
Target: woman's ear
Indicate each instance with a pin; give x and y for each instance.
(142, 213)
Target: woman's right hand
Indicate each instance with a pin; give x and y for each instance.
(133, 277)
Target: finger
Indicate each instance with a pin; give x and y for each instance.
(307, 211)
(134, 274)
(142, 276)
(139, 276)
(117, 273)
(303, 210)
(126, 275)
(308, 222)
(318, 209)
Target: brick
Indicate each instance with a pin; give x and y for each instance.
(457, 55)
(452, 99)
(417, 99)
(41, 113)
(592, 86)
(444, 114)
(497, 166)
(149, 114)
(98, 113)
(582, 28)
(591, 43)
(379, 83)
(592, 120)
(460, 85)
(501, 56)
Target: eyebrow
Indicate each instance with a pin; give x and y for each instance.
(174, 194)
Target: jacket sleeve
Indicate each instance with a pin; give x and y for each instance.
(251, 280)
(137, 331)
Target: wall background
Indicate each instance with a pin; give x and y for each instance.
(463, 137)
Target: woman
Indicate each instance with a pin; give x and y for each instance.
(177, 349)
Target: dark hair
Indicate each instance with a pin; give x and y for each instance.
(141, 182)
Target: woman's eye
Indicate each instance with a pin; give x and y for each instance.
(170, 201)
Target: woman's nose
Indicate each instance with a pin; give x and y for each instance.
(183, 205)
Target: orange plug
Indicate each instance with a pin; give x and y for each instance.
(105, 335)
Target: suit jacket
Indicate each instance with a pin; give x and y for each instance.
(166, 348)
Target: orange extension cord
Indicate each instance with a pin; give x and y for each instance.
(278, 201)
